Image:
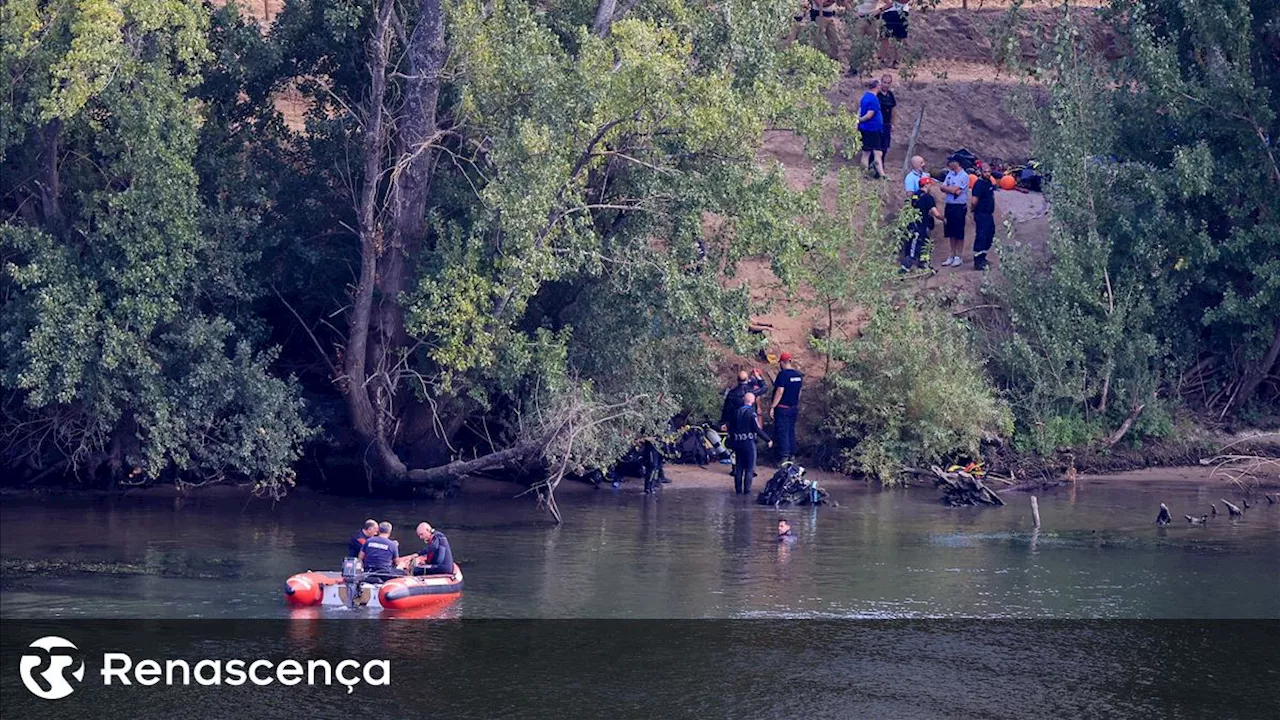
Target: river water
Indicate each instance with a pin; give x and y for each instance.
(684, 554)
(889, 606)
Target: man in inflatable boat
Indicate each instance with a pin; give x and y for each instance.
(357, 541)
(435, 558)
(380, 555)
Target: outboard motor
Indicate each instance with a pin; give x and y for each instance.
(352, 576)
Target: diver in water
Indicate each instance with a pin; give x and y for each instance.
(784, 532)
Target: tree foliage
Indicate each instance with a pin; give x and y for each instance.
(1162, 287)
(121, 348)
(501, 220)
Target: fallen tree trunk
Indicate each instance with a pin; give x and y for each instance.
(961, 488)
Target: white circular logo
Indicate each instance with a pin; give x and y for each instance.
(51, 683)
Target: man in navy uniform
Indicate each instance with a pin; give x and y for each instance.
(381, 552)
(356, 544)
(786, 406)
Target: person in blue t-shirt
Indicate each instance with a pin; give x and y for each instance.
(357, 541)
(786, 406)
(870, 127)
(380, 553)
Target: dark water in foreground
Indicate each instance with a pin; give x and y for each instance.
(843, 624)
(684, 554)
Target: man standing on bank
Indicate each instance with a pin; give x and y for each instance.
(956, 188)
(984, 219)
(742, 439)
(887, 103)
(870, 127)
(786, 406)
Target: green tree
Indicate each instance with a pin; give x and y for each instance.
(533, 192)
(118, 357)
(1164, 236)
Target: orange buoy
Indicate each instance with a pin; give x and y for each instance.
(1008, 183)
(973, 179)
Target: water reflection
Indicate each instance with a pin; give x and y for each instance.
(678, 554)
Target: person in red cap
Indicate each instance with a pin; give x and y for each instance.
(915, 250)
(785, 407)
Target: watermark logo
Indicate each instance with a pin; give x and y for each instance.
(59, 655)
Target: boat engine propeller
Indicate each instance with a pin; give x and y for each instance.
(353, 576)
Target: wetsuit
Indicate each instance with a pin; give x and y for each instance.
(732, 400)
(743, 432)
(984, 221)
(784, 413)
(356, 544)
(380, 556)
(438, 556)
(787, 536)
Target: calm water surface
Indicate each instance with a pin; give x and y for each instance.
(684, 554)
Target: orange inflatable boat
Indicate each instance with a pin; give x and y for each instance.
(352, 589)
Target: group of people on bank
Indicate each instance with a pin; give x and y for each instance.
(961, 194)
(740, 416)
(886, 20)
(380, 555)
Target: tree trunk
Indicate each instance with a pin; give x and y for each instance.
(368, 425)
(1258, 373)
(50, 186)
(1121, 431)
(604, 18)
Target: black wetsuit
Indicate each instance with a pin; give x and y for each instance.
(742, 435)
(438, 556)
(732, 401)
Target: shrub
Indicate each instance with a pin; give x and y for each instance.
(911, 391)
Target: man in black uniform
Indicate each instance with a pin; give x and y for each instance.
(887, 103)
(435, 558)
(785, 407)
(984, 219)
(915, 251)
(380, 553)
(356, 544)
(743, 431)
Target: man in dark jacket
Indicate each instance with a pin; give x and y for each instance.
(785, 407)
(733, 399)
(888, 101)
(356, 544)
(984, 218)
(743, 431)
(436, 557)
(380, 553)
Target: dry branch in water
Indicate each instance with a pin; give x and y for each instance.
(1245, 470)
